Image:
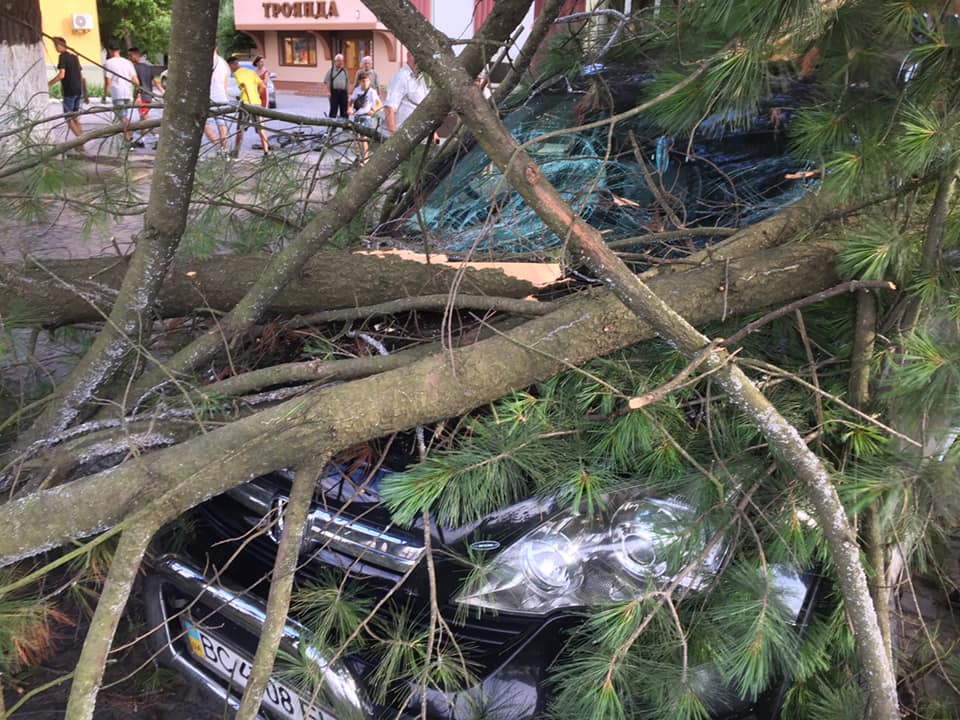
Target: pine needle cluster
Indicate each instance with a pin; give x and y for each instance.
(570, 439)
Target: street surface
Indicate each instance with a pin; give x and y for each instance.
(287, 102)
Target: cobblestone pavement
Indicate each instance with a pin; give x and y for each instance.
(64, 233)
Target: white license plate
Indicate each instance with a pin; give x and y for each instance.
(278, 698)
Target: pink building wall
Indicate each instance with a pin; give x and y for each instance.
(298, 38)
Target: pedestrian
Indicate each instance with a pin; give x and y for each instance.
(215, 128)
(337, 83)
(250, 86)
(366, 65)
(260, 68)
(148, 78)
(71, 85)
(364, 103)
(407, 90)
(120, 80)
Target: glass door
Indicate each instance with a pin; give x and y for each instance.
(355, 47)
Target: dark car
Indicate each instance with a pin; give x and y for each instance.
(542, 566)
(208, 603)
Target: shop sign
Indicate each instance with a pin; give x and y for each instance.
(300, 9)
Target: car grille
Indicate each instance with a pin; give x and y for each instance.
(485, 639)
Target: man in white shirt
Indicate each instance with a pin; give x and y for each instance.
(120, 77)
(406, 91)
(219, 80)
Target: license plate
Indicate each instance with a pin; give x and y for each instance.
(279, 699)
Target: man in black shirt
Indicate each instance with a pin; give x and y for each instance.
(71, 83)
(149, 79)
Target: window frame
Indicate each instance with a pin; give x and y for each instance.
(296, 35)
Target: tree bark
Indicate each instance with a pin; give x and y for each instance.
(281, 587)
(525, 177)
(446, 384)
(864, 339)
(23, 83)
(51, 293)
(284, 266)
(88, 674)
(931, 256)
(170, 192)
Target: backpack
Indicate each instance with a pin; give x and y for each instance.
(359, 101)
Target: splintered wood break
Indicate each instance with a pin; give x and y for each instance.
(537, 274)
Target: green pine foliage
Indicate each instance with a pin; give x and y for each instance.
(639, 663)
(497, 464)
(832, 701)
(684, 110)
(929, 137)
(927, 371)
(757, 19)
(879, 250)
(741, 77)
(936, 60)
(331, 611)
(755, 638)
(819, 132)
(25, 633)
(202, 235)
(570, 437)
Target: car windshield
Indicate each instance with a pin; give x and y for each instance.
(725, 178)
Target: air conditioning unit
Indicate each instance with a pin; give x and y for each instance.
(82, 23)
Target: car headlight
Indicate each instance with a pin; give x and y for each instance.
(585, 559)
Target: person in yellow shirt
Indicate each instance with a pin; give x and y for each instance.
(250, 85)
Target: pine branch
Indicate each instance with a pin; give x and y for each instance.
(67, 145)
(281, 586)
(432, 302)
(851, 286)
(659, 393)
(768, 368)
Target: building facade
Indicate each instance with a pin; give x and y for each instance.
(300, 38)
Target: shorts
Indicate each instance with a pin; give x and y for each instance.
(123, 109)
(218, 121)
(364, 120)
(72, 103)
(142, 106)
(246, 119)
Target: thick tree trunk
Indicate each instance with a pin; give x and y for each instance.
(444, 385)
(51, 293)
(23, 82)
(170, 192)
(285, 265)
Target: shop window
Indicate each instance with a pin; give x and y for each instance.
(298, 49)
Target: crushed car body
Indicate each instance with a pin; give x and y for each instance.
(544, 566)
(512, 586)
